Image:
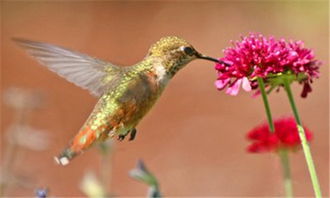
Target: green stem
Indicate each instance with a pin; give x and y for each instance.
(283, 154)
(305, 145)
(266, 104)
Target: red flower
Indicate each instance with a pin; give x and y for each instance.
(257, 56)
(285, 136)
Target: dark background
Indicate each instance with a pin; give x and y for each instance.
(194, 137)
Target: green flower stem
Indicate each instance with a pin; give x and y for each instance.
(305, 145)
(267, 108)
(283, 154)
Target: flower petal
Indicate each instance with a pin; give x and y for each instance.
(233, 90)
(306, 89)
(220, 84)
(246, 84)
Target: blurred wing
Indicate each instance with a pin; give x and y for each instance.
(80, 69)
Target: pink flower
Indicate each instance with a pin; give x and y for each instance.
(285, 136)
(257, 56)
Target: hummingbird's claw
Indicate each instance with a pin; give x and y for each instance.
(132, 134)
(121, 137)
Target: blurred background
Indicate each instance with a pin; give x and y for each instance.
(193, 140)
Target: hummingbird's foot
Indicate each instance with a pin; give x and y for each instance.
(132, 134)
(121, 137)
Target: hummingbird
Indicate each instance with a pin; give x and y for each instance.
(126, 93)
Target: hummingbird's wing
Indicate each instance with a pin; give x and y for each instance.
(84, 71)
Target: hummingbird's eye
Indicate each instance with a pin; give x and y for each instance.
(189, 51)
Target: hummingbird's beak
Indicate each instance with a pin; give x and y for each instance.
(201, 56)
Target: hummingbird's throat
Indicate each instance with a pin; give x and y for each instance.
(161, 73)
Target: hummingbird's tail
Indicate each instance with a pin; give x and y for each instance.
(82, 141)
(65, 157)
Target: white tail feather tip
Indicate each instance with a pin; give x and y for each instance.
(63, 160)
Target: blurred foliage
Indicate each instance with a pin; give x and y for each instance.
(92, 187)
(20, 135)
(142, 174)
(96, 187)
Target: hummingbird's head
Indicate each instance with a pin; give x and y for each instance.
(175, 53)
